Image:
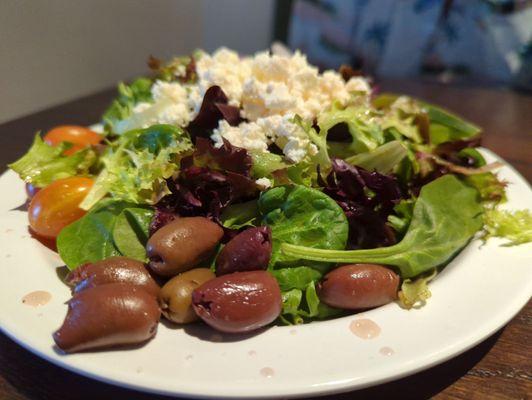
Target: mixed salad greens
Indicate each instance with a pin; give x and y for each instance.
(387, 180)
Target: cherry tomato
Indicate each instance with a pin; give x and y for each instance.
(31, 190)
(57, 205)
(79, 136)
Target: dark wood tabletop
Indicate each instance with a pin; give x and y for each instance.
(498, 368)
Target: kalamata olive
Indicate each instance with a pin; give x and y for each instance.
(238, 302)
(175, 297)
(248, 251)
(108, 315)
(359, 286)
(182, 244)
(112, 270)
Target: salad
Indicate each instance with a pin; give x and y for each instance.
(248, 191)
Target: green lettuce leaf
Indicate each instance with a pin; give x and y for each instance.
(137, 165)
(514, 226)
(415, 293)
(128, 96)
(43, 164)
(366, 134)
(383, 159)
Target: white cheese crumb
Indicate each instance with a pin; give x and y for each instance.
(264, 183)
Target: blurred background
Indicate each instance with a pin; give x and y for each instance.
(52, 51)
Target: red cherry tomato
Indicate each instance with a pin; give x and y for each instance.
(57, 205)
(79, 136)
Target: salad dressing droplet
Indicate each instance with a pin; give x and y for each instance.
(364, 328)
(37, 298)
(267, 372)
(189, 357)
(386, 351)
(293, 332)
(252, 353)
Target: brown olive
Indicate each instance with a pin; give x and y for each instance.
(112, 270)
(175, 297)
(182, 244)
(238, 302)
(108, 315)
(359, 286)
(248, 251)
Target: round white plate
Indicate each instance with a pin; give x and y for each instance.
(479, 292)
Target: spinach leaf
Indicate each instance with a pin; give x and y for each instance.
(90, 238)
(302, 216)
(111, 228)
(238, 215)
(446, 216)
(130, 232)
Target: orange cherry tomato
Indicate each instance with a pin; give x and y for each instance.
(57, 205)
(31, 190)
(79, 136)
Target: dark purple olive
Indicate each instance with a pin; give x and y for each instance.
(108, 315)
(182, 244)
(359, 286)
(112, 270)
(238, 302)
(248, 251)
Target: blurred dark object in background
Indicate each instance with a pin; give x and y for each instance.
(458, 41)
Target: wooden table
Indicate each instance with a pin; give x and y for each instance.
(498, 368)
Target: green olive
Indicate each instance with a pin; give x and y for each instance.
(175, 297)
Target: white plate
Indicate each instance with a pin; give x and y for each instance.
(480, 291)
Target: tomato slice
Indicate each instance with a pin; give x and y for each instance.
(79, 136)
(57, 205)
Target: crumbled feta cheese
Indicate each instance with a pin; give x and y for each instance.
(224, 68)
(264, 183)
(247, 135)
(290, 137)
(270, 89)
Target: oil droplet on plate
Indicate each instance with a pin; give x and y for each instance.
(386, 351)
(364, 328)
(37, 298)
(267, 372)
(138, 370)
(189, 357)
(293, 332)
(252, 353)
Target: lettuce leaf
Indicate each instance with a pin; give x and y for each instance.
(128, 96)
(43, 164)
(514, 226)
(383, 159)
(414, 293)
(366, 134)
(137, 165)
